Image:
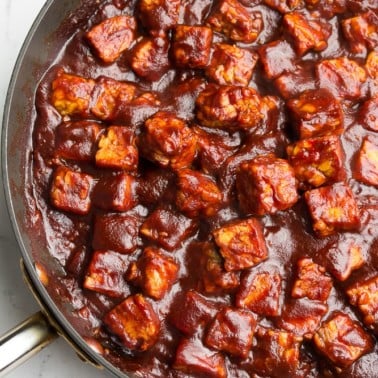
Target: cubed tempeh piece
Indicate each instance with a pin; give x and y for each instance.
(241, 244)
(327, 9)
(317, 161)
(109, 95)
(70, 191)
(343, 77)
(235, 22)
(366, 169)
(159, 16)
(232, 332)
(105, 274)
(369, 113)
(167, 228)
(316, 113)
(302, 316)
(284, 6)
(231, 65)
(277, 57)
(276, 351)
(344, 257)
(212, 276)
(191, 311)
(333, 208)
(116, 232)
(154, 272)
(364, 295)
(192, 46)
(168, 141)
(371, 66)
(192, 357)
(266, 185)
(112, 37)
(312, 281)
(294, 83)
(117, 149)
(213, 149)
(72, 94)
(308, 34)
(197, 194)
(260, 292)
(135, 322)
(230, 107)
(150, 58)
(361, 31)
(153, 185)
(115, 193)
(342, 340)
(77, 140)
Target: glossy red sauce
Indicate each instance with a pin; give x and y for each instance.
(189, 341)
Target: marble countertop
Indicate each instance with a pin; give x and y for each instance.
(16, 303)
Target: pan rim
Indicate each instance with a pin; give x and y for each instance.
(48, 302)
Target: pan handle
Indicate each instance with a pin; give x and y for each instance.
(25, 340)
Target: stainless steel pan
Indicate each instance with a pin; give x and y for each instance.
(44, 39)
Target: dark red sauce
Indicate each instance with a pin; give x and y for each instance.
(188, 172)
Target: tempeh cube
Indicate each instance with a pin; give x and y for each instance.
(276, 351)
(317, 161)
(230, 107)
(191, 311)
(369, 113)
(284, 6)
(232, 332)
(117, 149)
(366, 169)
(266, 185)
(231, 65)
(277, 58)
(316, 113)
(150, 58)
(112, 37)
(192, 357)
(197, 194)
(135, 322)
(343, 77)
(302, 316)
(342, 340)
(116, 232)
(77, 140)
(72, 94)
(109, 95)
(105, 274)
(115, 193)
(167, 228)
(241, 244)
(154, 272)
(168, 141)
(235, 22)
(192, 46)
(333, 208)
(364, 295)
(158, 16)
(70, 191)
(260, 292)
(312, 281)
(361, 31)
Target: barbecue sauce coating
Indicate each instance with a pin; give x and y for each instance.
(206, 176)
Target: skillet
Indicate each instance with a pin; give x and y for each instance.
(34, 244)
(43, 40)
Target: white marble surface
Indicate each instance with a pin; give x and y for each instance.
(16, 303)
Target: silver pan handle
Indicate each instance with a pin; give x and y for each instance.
(25, 340)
